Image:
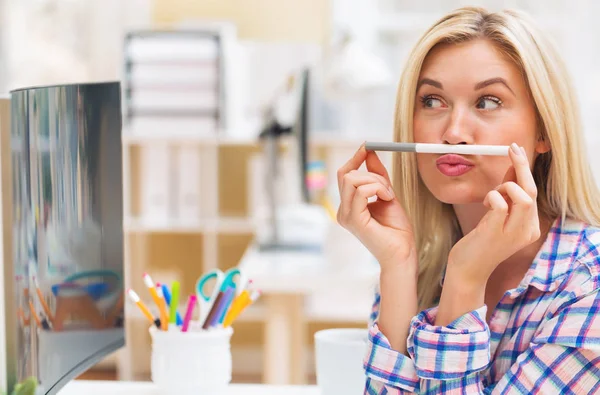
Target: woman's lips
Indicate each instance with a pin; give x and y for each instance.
(453, 165)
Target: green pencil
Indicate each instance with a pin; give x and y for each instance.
(174, 302)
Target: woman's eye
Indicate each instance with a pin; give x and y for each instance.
(432, 102)
(489, 103)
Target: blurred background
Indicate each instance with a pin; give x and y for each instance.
(235, 110)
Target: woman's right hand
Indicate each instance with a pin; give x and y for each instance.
(381, 226)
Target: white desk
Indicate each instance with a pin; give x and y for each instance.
(79, 387)
(288, 281)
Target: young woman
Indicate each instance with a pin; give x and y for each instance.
(490, 265)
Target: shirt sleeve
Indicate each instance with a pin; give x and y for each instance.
(563, 357)
(387, 371)
(449, 352)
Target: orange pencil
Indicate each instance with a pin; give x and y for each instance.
(236, 306)
(21, 315)
(136, 299)
(164, 313)
(34, 314)
(43, 302)
(159, 300)
(255, 295)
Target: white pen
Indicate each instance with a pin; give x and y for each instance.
(463, 149)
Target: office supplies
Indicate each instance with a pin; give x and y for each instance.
(103, 286)
(34, 314)
(45, 323)
(253, 298)
(213, 311)
(167, 296)
(225, 304)
(159, 300)
(117, 314)
(107, 281)
(42, 300)
(78, 311)
(136, 299)
(316, 175)
(500, 150)
(95, 290)
(24, 321)
(236, 307)
(221, 281)
(164, 312)
(188, 313)
(195, 362)
(179, 80)
(174, 302)
(331, 211)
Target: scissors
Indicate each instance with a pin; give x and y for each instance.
(223, 280)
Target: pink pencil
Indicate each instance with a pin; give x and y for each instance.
(188, 313)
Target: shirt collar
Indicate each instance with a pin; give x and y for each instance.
(555, 258)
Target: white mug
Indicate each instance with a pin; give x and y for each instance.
(339, 355)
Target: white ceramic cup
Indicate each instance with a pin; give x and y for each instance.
(339, 355)
(196, 362)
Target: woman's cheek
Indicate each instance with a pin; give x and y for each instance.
(494, 170)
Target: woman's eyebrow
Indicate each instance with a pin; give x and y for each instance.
(429, 81)
(492, 81)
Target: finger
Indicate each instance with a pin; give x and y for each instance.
(516, 194)
(523, 210)
(510, 175)
(353, 180)
(375, 165)
(352, 164)
(522, 170)
(498, 209)
(362, 195)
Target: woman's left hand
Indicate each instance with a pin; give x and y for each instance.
(511, 224)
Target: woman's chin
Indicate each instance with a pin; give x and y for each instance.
(458, 195)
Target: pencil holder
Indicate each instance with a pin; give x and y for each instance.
(197, 362)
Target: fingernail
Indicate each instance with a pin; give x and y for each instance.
(523, 151)
(515, 149)
(391, 191)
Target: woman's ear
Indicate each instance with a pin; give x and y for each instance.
(542, 145)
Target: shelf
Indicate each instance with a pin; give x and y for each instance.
(218, 225)
(333, 140)
(141, 139)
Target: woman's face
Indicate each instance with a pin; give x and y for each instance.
(469, 93)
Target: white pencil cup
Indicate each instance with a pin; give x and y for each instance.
(197, 362)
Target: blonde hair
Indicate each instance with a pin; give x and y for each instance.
(566, 187)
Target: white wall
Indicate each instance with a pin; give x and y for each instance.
(50, 42)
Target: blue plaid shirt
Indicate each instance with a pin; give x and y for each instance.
(543, 336)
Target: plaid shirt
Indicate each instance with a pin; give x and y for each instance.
(543, 336)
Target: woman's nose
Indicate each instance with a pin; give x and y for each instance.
(458, 130)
